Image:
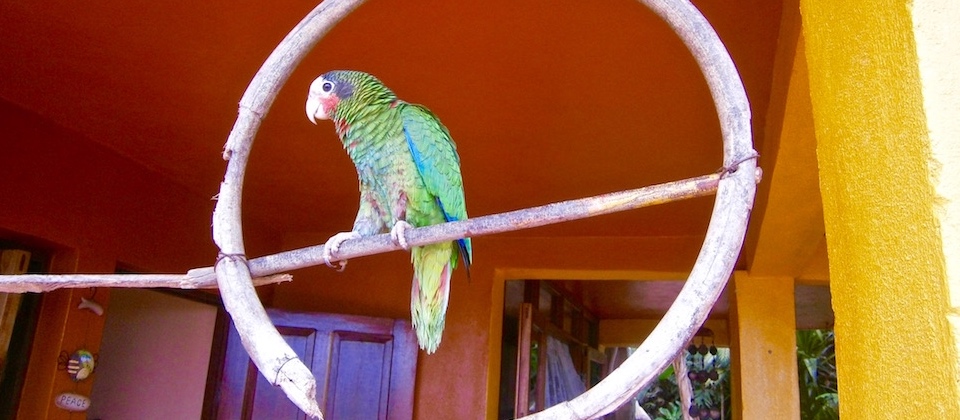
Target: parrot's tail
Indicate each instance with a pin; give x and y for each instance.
(430, 292)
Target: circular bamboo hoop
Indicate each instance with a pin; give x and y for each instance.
(724, 239)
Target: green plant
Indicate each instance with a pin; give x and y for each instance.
(817, 368)
(670, 411)
(662, 399)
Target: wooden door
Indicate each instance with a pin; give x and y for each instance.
(365, 369)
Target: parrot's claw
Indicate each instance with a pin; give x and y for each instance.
(342, 264)
(398, 233)
(332, 247)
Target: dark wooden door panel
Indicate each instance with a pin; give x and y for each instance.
(365, 369)
(359, 376)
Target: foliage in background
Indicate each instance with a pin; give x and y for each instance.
(671, 411)
(817, 366)
(662, 399)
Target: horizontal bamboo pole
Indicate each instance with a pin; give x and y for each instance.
(485, 225)
(265, 269)
(38, 283)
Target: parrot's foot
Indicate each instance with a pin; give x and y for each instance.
(332, 247)
(398, 233)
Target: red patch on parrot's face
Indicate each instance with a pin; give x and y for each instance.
(329, 104)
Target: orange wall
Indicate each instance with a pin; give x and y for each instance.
(96, 208)
(66, 189)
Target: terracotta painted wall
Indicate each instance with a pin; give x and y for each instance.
(96, 208)
(63, 188)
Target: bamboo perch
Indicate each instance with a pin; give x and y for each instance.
(735, 194)
(38, 283)
(485, 225)
(264, 269)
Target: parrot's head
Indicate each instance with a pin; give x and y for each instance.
(332, 94)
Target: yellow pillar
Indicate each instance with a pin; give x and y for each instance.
(879, 178)
(765, 348)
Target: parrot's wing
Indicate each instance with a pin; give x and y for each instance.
(435, 155)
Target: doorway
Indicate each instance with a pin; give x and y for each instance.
(155, 355)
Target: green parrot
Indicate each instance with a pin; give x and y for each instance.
(409, 174)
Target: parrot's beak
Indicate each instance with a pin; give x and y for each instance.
(314, 110)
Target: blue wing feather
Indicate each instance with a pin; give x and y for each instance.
(437, 161)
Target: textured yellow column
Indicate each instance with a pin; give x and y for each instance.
(879, 178)
(765, 347)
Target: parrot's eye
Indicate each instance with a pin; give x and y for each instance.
(327, 87)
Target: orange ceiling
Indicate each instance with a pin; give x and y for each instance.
(546, 100)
